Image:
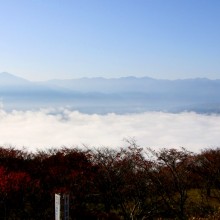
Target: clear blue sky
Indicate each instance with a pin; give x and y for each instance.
(44, 39)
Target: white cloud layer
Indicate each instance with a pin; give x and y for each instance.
(47, 129)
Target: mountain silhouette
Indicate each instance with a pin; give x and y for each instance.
(101, 95)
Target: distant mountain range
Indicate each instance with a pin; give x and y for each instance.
(119, 95)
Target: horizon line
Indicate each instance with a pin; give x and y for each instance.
(108, 78)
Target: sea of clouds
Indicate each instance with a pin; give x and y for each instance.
(43, 129)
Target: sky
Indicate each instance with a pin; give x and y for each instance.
(41, 130)
(168, 39)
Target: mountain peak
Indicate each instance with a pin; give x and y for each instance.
(6, 74)
(10, 79)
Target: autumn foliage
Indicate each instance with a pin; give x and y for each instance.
(128, 183)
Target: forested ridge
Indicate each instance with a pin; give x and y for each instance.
(128, 183)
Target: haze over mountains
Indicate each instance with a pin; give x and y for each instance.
(118, 95)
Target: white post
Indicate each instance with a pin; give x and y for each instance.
(57, 207)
